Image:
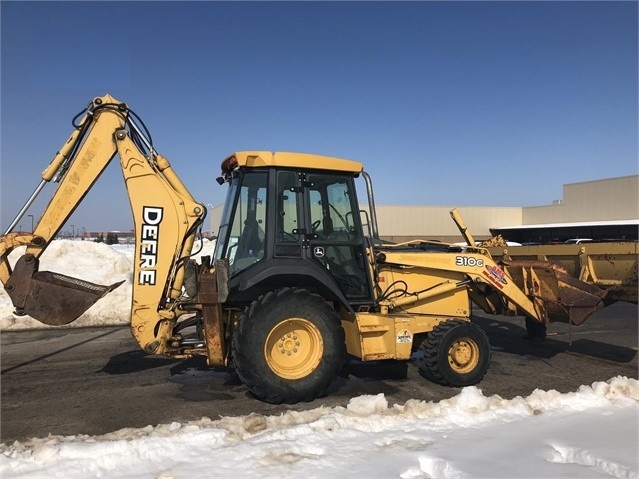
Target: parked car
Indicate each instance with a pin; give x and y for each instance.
(578, 240)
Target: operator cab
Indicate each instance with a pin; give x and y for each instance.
(293, 220)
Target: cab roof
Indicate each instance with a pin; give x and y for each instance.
(257, 159)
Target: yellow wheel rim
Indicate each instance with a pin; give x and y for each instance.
(463, 355)
(294, 348)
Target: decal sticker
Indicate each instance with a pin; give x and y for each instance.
(496, 275)
(149, 235)
(404, 336)
(318, 251)
(468, 261)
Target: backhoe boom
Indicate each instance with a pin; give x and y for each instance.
(166, 219)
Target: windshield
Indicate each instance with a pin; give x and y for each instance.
(241, 236)
(222, 236)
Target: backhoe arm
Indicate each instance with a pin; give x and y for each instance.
(91, 144)
(166, 219)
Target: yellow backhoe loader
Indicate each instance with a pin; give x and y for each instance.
(299, 278)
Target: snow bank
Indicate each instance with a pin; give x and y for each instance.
(95, 262)
(588, 433)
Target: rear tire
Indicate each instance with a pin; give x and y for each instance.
(457, 353)
(289, 346)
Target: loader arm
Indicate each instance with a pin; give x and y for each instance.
(166, 219)
(477, 268)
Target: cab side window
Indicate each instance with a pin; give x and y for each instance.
(331, 209)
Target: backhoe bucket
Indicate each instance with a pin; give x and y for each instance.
(51, 298)
(557, 295)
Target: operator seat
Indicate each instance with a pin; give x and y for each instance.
(249, 243)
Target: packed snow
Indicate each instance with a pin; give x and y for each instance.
(588, 433)
(591, 432)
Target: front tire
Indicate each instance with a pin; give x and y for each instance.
(289, 346)
(457, 353)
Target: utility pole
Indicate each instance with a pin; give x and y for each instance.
(31, 216)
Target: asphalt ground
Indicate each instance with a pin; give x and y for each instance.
(96, 380)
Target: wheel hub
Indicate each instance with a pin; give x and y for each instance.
(294, 348)
(289, 344)
(463, 355)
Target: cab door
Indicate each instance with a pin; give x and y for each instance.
(334, 232)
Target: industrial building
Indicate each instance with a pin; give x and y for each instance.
(599, 209)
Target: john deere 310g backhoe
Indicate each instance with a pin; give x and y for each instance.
(299, 278)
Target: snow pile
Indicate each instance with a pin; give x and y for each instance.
(90, 261)
(589, 433)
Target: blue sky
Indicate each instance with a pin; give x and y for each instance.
(445, 103)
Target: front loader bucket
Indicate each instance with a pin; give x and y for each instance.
(557, 295)
(51, 298)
